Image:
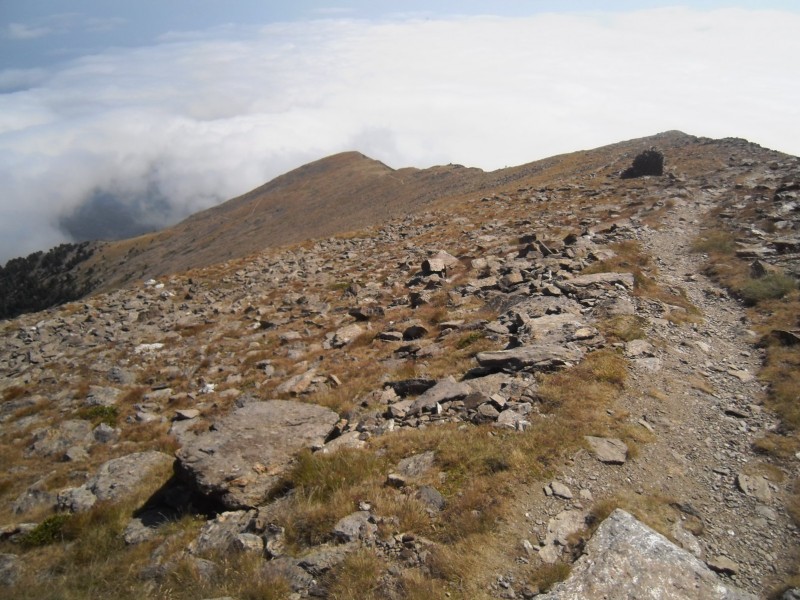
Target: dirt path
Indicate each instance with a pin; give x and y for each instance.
(697, 392)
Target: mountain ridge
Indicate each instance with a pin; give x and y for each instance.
(565, 374)
(330, 196)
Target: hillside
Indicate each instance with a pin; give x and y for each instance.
(342, 193)
(546, 381)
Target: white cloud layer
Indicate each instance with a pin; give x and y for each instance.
(207, 116)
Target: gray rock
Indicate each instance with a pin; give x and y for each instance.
(444, 390)
(55, 441)
(76, 499)
(486, 413)
(431, 497)
(559, 529)
(288, 569)
(36, 496)
(601, 279)
(114, 480)
(638, 349)
(102, 396)
(354, 527)
(294, 386)
(626, 559)
(561, 490)
(754, 486)
(248, 542)
(346, 335)
(417, 465)
(244, 456)
(119, 477)
(186, 414)
(611, 451)
(322, 559)
(535, 358)
(9, 569)
(76, 454)
(723, 564)
(105, 434)
(144, 527)
(219, 534)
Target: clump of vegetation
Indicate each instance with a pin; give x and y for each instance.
(623, 328)
(549, 575)
(357, 578)
(47, 532)
(716, 242)
(469, 339)
(772, 286)
(100, 414)
(326, 488)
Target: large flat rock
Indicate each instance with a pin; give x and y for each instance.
(626, 559)
(540, 357)
(242, 458)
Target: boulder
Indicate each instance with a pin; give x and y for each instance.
(346, 335)
(220, 534)
(534, 358)
(611, 451)
(294, 386)
(356, 526)
(599, 279)
(649, 162)
(114, 480)
(323, 558)
(244, 456)
(417, 465)
(627, 559)
(444, 390)
(755, 486)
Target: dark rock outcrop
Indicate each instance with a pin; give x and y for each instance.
(649, 162)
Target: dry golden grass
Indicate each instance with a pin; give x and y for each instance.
(655, 510)
(623, 328)
(357, 577)
(84, 555)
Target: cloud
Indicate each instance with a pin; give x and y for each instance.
(175, 127)
(20, 31)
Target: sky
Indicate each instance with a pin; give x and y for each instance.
(118, 117)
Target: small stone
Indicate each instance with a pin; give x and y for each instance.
(723, 564)
(560, 490)
(186, 414)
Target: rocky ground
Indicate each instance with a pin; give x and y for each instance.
(446, 322)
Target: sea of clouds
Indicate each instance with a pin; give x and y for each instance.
(165, 130)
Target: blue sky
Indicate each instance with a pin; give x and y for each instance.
(169, 107)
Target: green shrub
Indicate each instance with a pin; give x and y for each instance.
(770, 287)
(469, 339)
(100, 414)
(49, 531)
